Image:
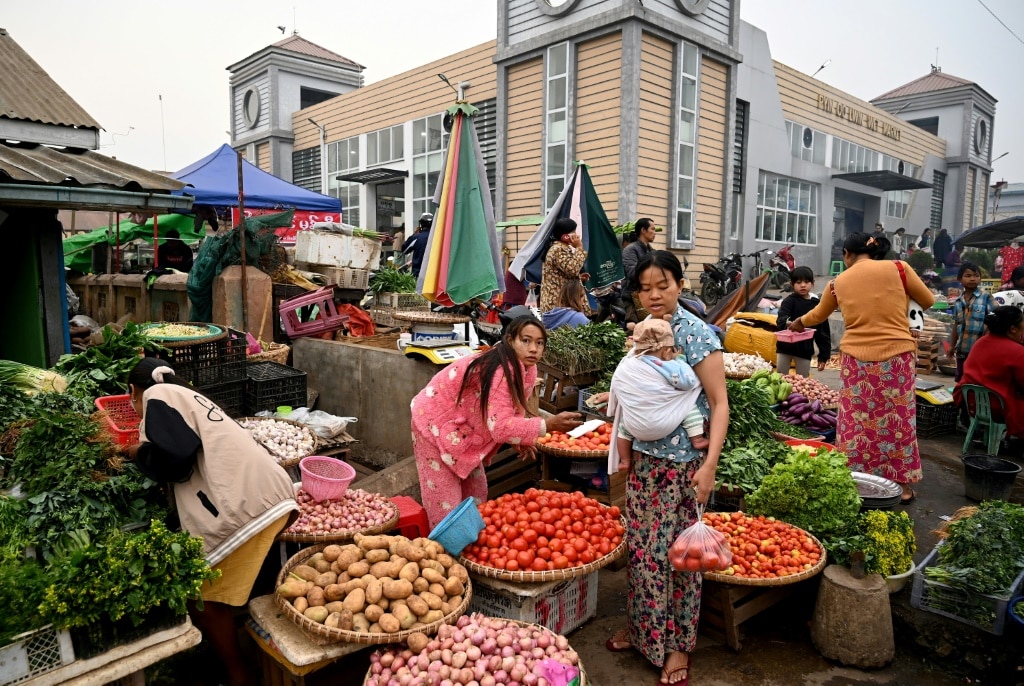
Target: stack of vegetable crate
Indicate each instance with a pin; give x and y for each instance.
(927, 355)
(214, 366)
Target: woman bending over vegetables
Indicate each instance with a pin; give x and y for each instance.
(227, 488)
(473, 406)
(667, 479)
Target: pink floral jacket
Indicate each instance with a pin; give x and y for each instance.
(463, 438)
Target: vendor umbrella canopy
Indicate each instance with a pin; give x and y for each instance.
(578, 201)
(992, 235)
(462, 260)
(77, 248)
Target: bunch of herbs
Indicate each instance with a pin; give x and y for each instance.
(594, 347)
(886, 538)
(983, 553)
(125, 574)
(750, 415)
(23, 585)
(745, 466)
(391, 280)
(102, 370)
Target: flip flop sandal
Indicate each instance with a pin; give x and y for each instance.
(904, 500)
(619, 642)
(681, 682)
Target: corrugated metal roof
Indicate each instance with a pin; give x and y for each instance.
(935, 81)
(31, 163)
(27, 92)
(296, 43)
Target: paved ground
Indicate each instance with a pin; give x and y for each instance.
(776, 646)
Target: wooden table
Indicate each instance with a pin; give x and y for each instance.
(287, 653)
(126, 662)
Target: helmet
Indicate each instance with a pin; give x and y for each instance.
(426, 219)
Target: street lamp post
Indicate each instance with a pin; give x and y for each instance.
(323, 155)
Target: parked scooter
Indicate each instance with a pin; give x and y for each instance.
(721, 278)
(782, 264)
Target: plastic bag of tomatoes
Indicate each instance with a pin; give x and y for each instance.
(699, 548)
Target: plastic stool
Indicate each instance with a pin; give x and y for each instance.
(836, 267)
(327, 317)
(412, 518)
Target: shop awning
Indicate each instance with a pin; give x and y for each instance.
(380, 175)
(992, 235)
(884, 180)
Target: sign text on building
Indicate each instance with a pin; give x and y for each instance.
(844, 111)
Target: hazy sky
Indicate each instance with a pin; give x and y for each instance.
(116, 58)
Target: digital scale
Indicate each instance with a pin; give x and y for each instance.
(933, 393)
(438, 351)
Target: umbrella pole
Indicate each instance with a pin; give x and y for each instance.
(241, 234)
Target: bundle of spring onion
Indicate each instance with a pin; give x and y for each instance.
(31, 380)
(366, 233)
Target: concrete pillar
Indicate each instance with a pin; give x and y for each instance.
(852, 620)
(227, 301)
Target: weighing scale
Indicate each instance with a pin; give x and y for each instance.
(933, 393)
(438, 351)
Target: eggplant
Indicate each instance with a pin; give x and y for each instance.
(806, 416)
(816, 406)
(799, 408)
(797, 398)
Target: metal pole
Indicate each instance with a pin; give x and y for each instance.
(156, 235)
(241, 236)
(117, 243)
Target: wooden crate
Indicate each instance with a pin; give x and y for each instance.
(724, 607)
(560, 390)
(927, 355)
(553, 470)
(507, 473)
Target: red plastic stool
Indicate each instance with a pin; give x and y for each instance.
(412, 518)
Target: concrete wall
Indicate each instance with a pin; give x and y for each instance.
(373, 384)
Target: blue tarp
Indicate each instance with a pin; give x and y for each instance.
(214, 181)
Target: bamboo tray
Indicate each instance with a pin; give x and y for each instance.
(343, 536)
(779, 581)
(575, 454)
(272, 352)
(290, 462)
(511, 622)
(322, 635)
(531, 577)
(428, 317)
(214, 333)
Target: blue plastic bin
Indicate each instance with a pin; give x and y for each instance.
(459, 528)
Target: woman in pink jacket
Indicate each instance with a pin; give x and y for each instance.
(473, 406)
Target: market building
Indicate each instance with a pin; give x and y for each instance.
(682, 116)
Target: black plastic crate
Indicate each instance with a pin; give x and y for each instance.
(935, 420)
(211, 362)
(269, 385)
(230, 396)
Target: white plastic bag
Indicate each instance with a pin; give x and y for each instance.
(323, 424)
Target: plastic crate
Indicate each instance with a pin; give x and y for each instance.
(229, 396)
(941, 599)
(344, 277)
(34, 653)
(558, 605)
(270, 384)
(935, 420)
(121, 419)
(211, 362)
(312, 313)
(401, 301)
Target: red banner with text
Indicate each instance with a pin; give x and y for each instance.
(302, 219)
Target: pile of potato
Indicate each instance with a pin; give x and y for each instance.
(377, 584)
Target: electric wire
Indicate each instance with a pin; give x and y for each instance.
(1019, 39)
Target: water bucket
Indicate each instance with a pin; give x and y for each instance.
(459, 528)
(988, 478)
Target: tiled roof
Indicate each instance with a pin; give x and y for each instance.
(296, 43)
(32, 163)
(935, 81)
(28, 93)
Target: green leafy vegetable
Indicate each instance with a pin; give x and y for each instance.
(815, 492)
(391, 280)
(886, 539)
(23, 583)
(745, 466)
(103, 369)
(983, 553)
(597, 346)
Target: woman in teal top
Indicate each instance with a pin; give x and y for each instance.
(667, 479)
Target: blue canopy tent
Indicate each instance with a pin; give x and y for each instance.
(214, 181)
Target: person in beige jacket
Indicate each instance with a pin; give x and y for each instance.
(226, 489)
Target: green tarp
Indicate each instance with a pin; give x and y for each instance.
(78, 248)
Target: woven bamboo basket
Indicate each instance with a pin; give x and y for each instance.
(575, 454)
(272, 352)
(428, 317)
(367, 680)
(215, 334)
(531, 577)
(780, 581)
(292, 462)
(737, 377)
(343, 536)
(322, 635)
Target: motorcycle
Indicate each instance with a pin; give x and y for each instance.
(782, 264)
(721, 278)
